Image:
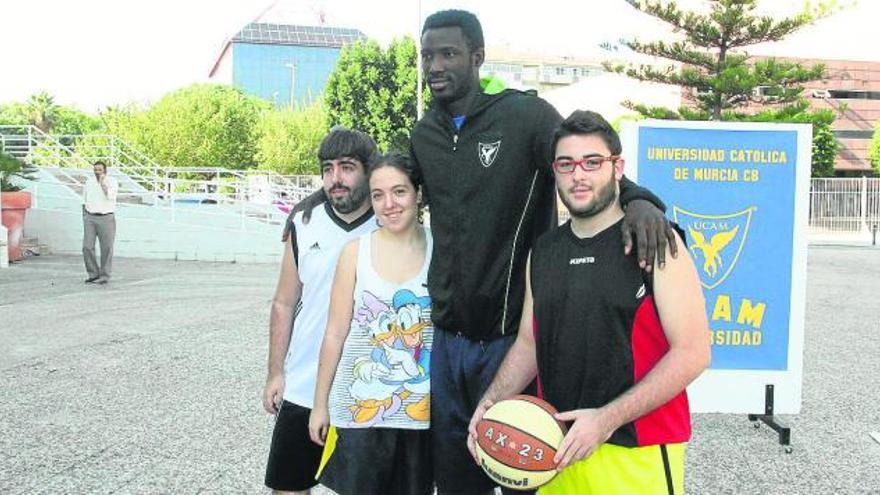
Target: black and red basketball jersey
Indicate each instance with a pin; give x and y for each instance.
(597, 331)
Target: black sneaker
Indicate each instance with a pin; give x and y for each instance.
(92, 280)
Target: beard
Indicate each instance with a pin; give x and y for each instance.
(603, 198)
(350, 202)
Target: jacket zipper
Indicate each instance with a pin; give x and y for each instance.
(455, 142)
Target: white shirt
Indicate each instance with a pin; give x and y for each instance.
(317, 245)
(94, 198)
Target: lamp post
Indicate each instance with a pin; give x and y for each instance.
(292, 68)
(419, 81)
(4, 243)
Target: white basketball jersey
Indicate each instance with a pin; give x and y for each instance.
(316, 246)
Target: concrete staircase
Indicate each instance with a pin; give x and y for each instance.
(31, 246)
(174, 213)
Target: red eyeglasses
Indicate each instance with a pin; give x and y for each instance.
(590, 163)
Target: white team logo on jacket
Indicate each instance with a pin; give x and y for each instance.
(488, 152)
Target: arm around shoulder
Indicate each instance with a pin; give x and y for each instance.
(630, 191)
(308, 204)
(644, 220)
(682, 309)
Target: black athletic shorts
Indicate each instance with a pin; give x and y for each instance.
(380, 461)
(293, 457)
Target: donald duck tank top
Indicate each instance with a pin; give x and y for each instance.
(383, 377)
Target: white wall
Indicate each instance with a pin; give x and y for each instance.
(4, 242)
(188, 232)
(62, 231)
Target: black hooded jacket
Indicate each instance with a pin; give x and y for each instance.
(491, 193)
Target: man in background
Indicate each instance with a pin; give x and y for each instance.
(99, 222)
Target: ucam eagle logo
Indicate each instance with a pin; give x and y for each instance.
(489, 152)
(716, 241)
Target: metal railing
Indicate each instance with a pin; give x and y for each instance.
(30, 144)
(174, 203)
(837, 206)
(112, 150)
(174, 193)
(845, 206)
(71, 151)
(70, 156)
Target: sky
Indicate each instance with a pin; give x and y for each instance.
(95, 53)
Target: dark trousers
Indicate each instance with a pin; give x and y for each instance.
(461, 371)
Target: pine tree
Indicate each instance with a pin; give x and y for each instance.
(710, 61)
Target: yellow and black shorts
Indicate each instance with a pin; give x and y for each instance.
(612, 469)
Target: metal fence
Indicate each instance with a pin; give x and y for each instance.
(80, 151)
(840, 209)
(844, 206)
(60, 190)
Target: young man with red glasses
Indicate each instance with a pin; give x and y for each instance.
(613, 347)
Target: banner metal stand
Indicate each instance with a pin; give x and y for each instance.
(768, 419)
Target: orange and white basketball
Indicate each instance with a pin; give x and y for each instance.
(516, 441)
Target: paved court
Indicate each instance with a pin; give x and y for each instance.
(151, 384)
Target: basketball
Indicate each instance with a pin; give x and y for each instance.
(516, 441)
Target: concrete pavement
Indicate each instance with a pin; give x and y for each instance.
(151, 383)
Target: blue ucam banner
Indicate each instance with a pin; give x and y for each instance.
(732, 191)
(740, 192)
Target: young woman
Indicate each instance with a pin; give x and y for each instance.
(374, 369)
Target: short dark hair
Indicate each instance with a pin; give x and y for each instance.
(342, 141)
(468, 22)
(583, 122)
(398, 161)
(101, 163)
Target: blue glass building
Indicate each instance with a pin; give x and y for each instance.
(285, 64)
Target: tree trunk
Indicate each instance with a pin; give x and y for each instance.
(717, 100)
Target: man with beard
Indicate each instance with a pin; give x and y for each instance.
(485, 152)
(612, 346)
(299, 308)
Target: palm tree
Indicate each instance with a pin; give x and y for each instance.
(42, 110)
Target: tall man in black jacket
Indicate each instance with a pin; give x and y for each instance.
(485, 154)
